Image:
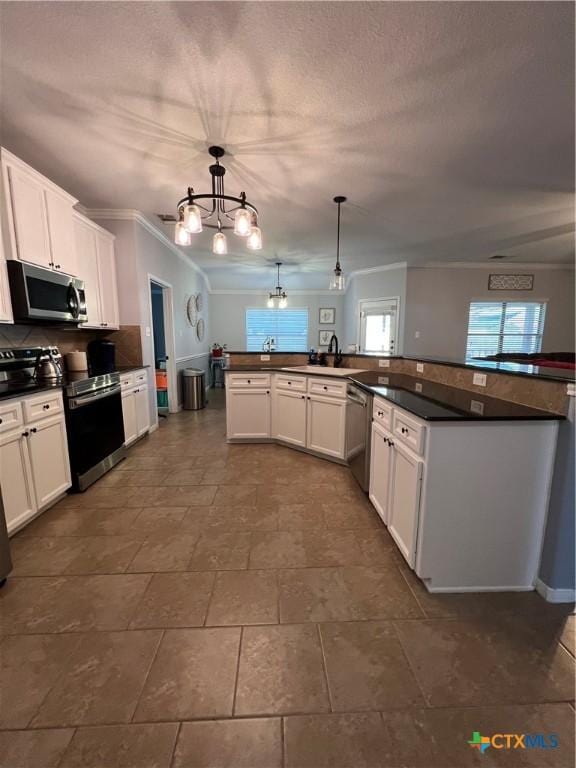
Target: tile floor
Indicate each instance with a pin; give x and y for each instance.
(216, 606)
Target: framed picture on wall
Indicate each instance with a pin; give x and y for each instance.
(327, 315)
(324, 338)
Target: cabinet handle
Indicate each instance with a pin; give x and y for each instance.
(33, 429)
(57, 266)
(325, 389)
(303, 397)
(249, 382)
(25, 434)
(0, 421)
(268, 392)
(46, 407)
(289, 383)
(380, 413)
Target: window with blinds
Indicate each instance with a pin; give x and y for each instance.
(504, 326)
(288, 327)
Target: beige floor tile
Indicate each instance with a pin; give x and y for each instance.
(244, 597)
(65, 521)
(236, 494)
(341, 594)
(304, 549)
(478, 661)
(134, 462)
(100, 497)
(153, 520)
(378, 547)
(281, 671)
(248, 474)
(174, 600)
(103, 554)
(217, 551)
(195, 519)
(422, 738)
(185, 476)
(230, 744)
(102, 680)
(30, 666)
(33, 749)
(174, 496)
(568, 634)
(70, 603)
(192, 676)
(241, 518)
(351, 515)
(137, 478)
(44, 557)
(367, 668)
(300, 517)
(122, 746)
(164, 552)
(336, 741)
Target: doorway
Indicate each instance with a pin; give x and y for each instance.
(162, 322)
(378, 326)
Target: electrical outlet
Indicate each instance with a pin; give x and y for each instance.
(416, 334)
(264, 357)
(418, 387)
(479, 379)
(383, 380)
(384, 363)
(419, 367)
(477, 407)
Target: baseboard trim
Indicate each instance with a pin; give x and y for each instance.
(153, 427)
(552, 595)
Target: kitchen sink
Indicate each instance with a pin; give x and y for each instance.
(323, 370)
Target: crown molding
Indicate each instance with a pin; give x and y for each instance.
(373, 270)
(495, 265)
(131, 214)
(264, 292)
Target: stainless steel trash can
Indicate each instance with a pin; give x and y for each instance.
(194, 389)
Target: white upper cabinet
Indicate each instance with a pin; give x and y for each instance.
(39, 217)
(97, 267)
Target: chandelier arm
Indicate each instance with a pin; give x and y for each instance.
(230, 198)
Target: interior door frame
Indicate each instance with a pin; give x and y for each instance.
(169, 339)
(397, 349)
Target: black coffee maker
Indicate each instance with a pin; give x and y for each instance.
(101, 355)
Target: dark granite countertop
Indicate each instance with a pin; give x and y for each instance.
(24, 387)
(128, 368)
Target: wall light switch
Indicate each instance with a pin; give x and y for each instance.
(148, 331)
(384, 363)
(418, 387)
(419, 367)
(479, 379)
(264, 357)
(416, 334)
(477, 407)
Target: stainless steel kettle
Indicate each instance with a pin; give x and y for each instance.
(48, 365)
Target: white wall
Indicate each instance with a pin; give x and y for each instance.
(385, 284)
(139, 253)
(228, 315)
(438, 302)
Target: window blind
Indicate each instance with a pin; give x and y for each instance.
(288, 327)
(504, 326)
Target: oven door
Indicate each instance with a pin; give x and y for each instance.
(40, 294)
(95, 434)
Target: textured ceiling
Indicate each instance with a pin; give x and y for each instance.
(449, 126)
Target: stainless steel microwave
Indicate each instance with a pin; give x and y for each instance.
(41, 295)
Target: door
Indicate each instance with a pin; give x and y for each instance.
(16, 478)
(248, 413)
(49, 459)
(405, 501)
(326, 428)
(379, 326)
(129, 417)
(88, 271)
(61, 229)
(107, 281)
(29, 218)
(142, 410)
(290, 417)
(380, 461)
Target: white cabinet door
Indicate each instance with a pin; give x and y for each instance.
(404, 507)
(61, 228)
(326, 427)
(380, 466)
(87, 255)
(129, 416)
(248, 413)
(142, 410)
(107, 281)
(16, 479)
(29, 219)
(48, 448)
(289, 422)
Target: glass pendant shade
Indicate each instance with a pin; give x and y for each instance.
(181, 234)
(254, 241)
(338, 281)
(270, 302)
(283, 302)
(192, 219)
(219, 244)
(242, 222)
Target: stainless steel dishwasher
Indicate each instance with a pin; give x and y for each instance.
(358, 433)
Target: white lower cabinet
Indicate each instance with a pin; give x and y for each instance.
(404, 500)
(380, 470)
(248, 413)
(129, 417)
(34, 466)
(326, 425)
(142, 410)
(289, 418)
(135, 406)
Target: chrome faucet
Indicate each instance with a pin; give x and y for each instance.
(337, 352)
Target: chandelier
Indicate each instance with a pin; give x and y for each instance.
(338, 282)
(212, 212)
(279, 294)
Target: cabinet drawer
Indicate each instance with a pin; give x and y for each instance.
(382, 413)
(237, 380)
(126, 381)
(290, 383)
(409, 431)
(46, 404)
(327, 387)
(140, 377)
(10, 415)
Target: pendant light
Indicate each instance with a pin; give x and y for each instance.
(338, 282)
(279, 297)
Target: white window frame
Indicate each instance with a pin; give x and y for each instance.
(287, 309)
(508, 300)
(359, 314)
